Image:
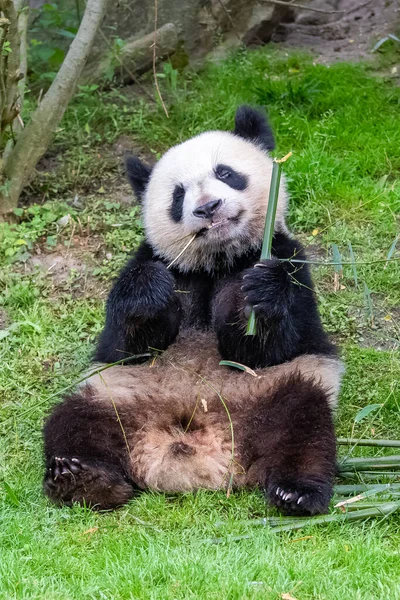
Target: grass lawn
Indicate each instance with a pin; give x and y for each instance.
(342, 124)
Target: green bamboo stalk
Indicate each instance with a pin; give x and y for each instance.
(382, 509)
(380, 489)
(368, 476)
(365, 442)
(269, 226)
(366, 464)
(359, 488)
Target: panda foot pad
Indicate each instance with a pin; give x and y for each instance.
(300, 498)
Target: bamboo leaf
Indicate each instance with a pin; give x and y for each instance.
(236, 365)
(364, 412)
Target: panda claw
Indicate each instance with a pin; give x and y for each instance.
(301, 497)
(64, 467)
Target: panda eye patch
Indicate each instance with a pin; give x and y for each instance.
(227, 175)
(178, 197)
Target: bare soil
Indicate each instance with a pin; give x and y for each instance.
(346, 35)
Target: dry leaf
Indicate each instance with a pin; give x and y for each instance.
(288, 597)
(315, 232)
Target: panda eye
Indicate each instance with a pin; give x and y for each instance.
(223, 173)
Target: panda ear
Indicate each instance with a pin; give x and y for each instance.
(252, 125)
(138, 174)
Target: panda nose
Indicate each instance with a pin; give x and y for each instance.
(206, 211)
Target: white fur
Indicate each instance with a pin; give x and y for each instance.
(192, 165)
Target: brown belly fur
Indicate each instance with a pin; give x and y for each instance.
(182, 416)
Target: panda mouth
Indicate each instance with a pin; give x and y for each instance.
(218, 223)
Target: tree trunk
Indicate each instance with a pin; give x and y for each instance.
(34, 140)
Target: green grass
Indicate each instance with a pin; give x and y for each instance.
(342, 125)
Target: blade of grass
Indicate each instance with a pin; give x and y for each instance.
(353, 264)
(391, 251)
(369, 307)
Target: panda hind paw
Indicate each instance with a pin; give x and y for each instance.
(300, 497)
(60, 477)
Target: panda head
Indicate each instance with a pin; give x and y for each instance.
(215, 187)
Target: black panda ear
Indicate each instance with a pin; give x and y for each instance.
(252, 125)
(138, 174)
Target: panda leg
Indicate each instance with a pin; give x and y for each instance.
(296, 439)
(86, 455)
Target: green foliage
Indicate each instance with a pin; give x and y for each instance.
(17, 240)
(54, 27)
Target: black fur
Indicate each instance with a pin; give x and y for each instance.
(291, 438)
(235, 180)
(143, 310)
(252, 125)
(177, 203)
(281, 293)
(86, 458)
(138, 174)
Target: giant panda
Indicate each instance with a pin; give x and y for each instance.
(182, 421)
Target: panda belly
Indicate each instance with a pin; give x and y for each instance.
(184, 422)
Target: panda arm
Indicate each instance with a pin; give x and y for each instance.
(281, 294)
(143, 311)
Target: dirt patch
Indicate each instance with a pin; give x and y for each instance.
(348, 35)
(69, 270)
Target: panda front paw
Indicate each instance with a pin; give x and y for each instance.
(300, 496)
(267, 288)
(143, 291)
